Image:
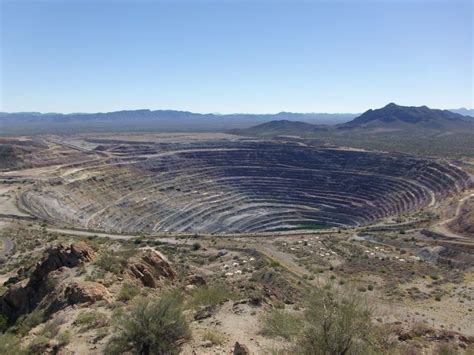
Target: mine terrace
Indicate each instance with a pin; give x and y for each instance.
(218, 183)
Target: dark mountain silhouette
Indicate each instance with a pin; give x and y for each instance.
(394, 116)
(281, 127)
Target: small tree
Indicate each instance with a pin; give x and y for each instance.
(338, 323)
(151, 327)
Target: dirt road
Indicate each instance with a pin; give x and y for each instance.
(442, 227)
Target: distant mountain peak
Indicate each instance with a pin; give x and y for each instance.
(394, 116)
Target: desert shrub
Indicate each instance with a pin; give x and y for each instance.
(87, 320)
(338, 322)
(281, 323)
(50, 329)
(214, 337)
(209, 295)
(127, 292)
(38, 345)
(445, 349)
(64, 338)
(151, 326)
(111, 263)
(274, 264)
(25, 323)
(10, 344)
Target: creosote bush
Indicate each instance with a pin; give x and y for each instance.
(111, 263)
(150, 326)
(338, 322)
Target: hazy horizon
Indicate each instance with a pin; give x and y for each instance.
(227, 114)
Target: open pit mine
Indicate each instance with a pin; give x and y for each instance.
(228, 184)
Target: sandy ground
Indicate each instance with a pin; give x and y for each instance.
(233, 323)
(8, 204)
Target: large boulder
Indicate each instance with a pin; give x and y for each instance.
(85, 292)
(196, 280)
(150, 268)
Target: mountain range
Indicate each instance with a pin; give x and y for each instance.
(391, 117)
(148, 120)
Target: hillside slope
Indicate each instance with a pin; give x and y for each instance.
(393, 116)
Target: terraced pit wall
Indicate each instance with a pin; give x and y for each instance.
(248, 186)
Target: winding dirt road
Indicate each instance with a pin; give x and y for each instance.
(442, 227)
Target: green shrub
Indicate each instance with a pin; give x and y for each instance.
(214, 337)
(87, 320)
(151, 326)
(38, 345)
(127, 292)
(281, 323)
(338, 323)
(64, 338)
(10, 344)
(209, 295)
(111, 263)
(50, 329)
(274, 264)
(25, 323)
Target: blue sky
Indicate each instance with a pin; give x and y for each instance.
(235, 56)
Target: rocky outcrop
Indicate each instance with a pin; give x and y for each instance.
(150, 268)
(85, 292)
(51, 271)
(204, 312)
(62, 255)
(196, 280)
